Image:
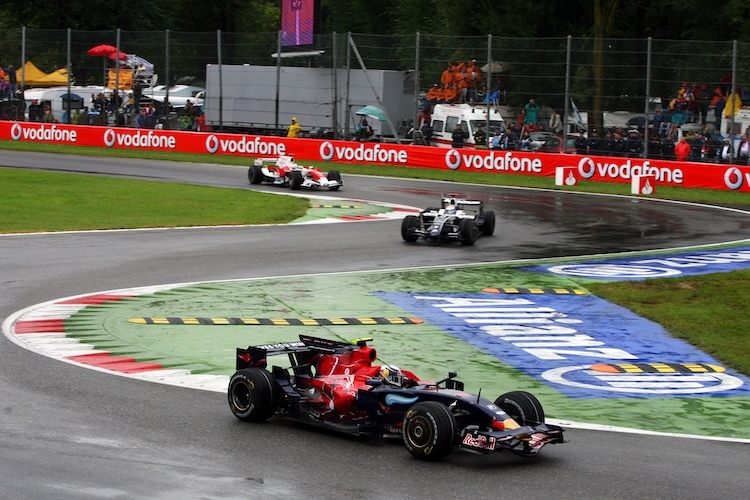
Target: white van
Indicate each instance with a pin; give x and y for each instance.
(446, 116)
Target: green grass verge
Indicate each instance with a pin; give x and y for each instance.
(710, 312)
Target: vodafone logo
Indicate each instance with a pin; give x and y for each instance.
(452, 159)
(327, 151)
(139, 139)
(15, 132)
(588, 168)
(43, 133)
(734, 179)
(109, 138)
(244, 145)
(365, 152)
(212, 144)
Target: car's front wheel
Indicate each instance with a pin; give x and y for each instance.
(295, 180)
(521, 406)
(408, 225)
(255, 175)
(334, 175)
(252, 395)
(429, 430)
(468, 231)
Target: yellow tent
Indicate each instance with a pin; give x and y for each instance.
(54, 79)
(34, 77)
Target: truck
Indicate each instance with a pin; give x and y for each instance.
(264, 99)
(445, 117)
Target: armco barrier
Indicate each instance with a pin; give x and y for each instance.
(594, 168)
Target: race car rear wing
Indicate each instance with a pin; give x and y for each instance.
(256, 356)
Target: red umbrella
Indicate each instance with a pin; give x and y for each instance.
(102, 50)
(123, 56)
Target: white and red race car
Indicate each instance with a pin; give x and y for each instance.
(284, 171)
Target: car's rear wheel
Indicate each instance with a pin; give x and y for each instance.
(429, 430)
(522, 407)
(469, 231)
(488, 226)
(408, 225)
(334, 175)
(295, 180)
(252, 395)
(255, 175)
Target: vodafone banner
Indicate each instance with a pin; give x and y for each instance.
(593, 168)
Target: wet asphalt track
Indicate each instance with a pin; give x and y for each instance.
(71, 433)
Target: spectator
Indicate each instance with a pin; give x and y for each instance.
(525, 141)
(581, 144)
(726, 154)
(363, 131)
(633, 146)
(459, 135)
(682, 150)
(743, 151)
(294, 128)
(12, 81)
(498, 140)
(435, 94)
(480, 137)
(661, 124)
(594, 143)
(719, 111)
(48, 116)
(511, 137)
(35, 111)
(532, 112)
(555, 122)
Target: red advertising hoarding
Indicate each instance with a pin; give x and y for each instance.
(594, 168)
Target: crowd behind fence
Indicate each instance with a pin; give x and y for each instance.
(576, 77)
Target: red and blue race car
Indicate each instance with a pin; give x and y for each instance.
(339, 386)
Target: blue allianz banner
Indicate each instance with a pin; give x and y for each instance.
(580, 345)
(640, 268)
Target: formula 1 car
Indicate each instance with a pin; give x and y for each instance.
(336, 385)
(455, 220)
(284, 171)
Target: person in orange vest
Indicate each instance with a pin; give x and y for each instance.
(450, 94)
(434, 95)
(682, 150)
(447, 77)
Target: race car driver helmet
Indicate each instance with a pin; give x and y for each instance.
(392, 374)
(450, 210)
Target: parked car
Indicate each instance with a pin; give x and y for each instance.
(555, 145)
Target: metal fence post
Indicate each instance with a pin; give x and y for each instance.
(221, 81)
(566, 97)
(648, 98)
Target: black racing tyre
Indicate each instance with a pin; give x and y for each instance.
(295, 180)
(488, 226)
(522, 407)
(253, 395)
(255, 175)
(429, 430)
(408, 225)
(468, 232)
(334, 175)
